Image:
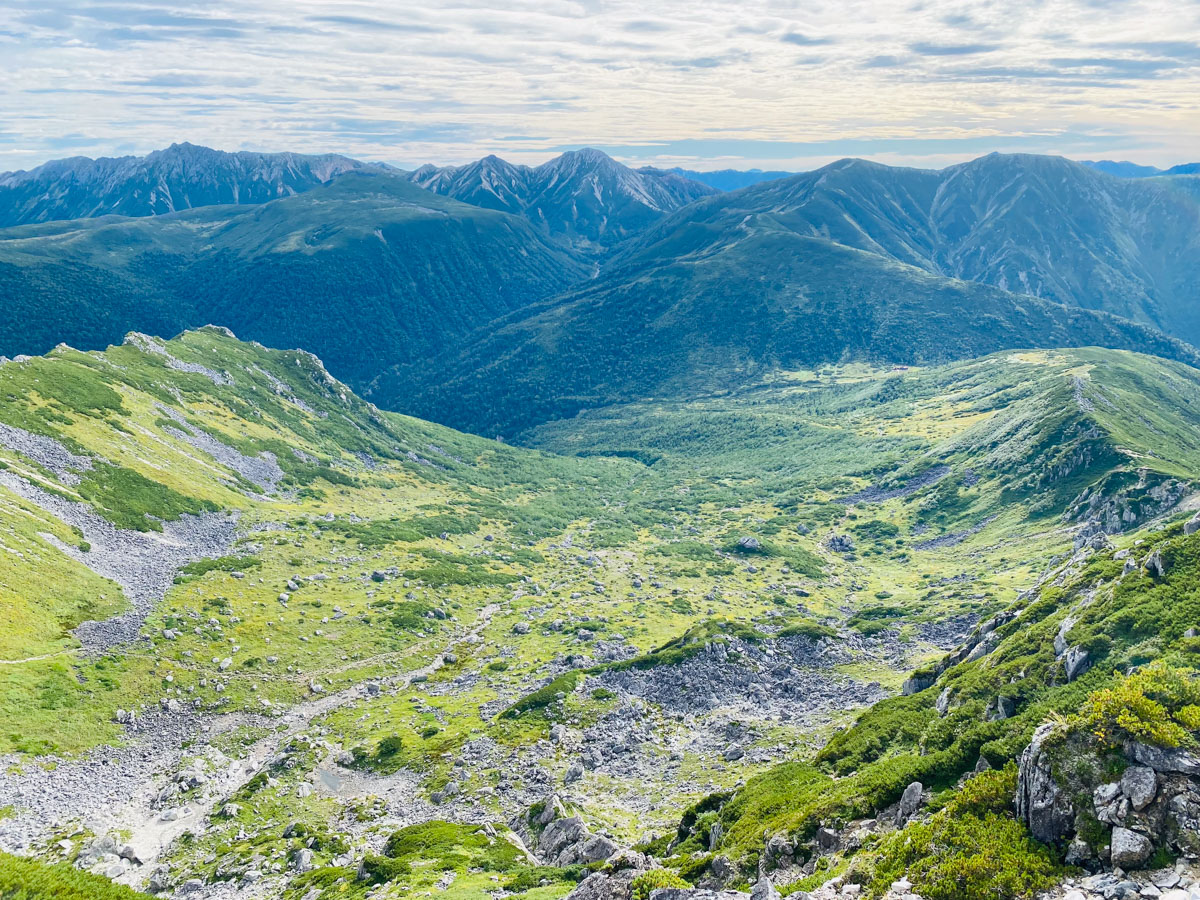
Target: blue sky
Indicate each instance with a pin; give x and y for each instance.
(702, 83)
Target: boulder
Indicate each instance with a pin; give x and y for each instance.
(1139, 784)
(1161, 759)
(1154, 565)
(1041, 803)
(1192, 525)
(1110, 807)
(764, 890)
(1076, 661)
(1130, 849)
(910, 802)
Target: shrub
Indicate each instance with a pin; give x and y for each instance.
(656, 878)
(1158, 705)
(28, 879)
(974, 849)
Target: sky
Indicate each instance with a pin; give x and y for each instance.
(705, 84)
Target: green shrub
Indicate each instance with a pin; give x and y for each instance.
(656, 878)
(974, 849)
(28, 879)
(1156, 705)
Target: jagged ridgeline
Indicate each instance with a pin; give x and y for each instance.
(260, 633)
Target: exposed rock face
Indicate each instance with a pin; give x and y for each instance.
(567, 842)
(1139, 784)
(1155, 804)
(1076, 661)
(1041, 803)
(1163, 760)
(559, 839)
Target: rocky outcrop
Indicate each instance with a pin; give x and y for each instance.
(560, 839)
(1153, 805)
(1042, 804)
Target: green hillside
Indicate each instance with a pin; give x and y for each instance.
(710, 310)
(368, 271)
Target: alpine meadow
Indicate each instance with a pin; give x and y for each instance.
(600, 451)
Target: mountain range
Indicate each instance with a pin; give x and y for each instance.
(583, 197)
(183, 176)
(840, 538)
(496, 297)
(368, 270)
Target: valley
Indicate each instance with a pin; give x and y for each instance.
(389, 658)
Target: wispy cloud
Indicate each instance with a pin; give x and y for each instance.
(729, 82)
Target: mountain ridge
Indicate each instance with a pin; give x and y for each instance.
(182, 176)
(582, 197)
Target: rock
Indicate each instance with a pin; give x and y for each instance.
(602, 886)
(749, 543)
(1110, 807)
(1076, 661)
(304, 789)
(943, 702)
(1139, 784)
(558, 733)
(1192, 525)
(521, 628)
(551, 810)
(378, 576)
(159, 880)
(1163, 760)
(1154, 564)
(566, 842)
(1041, 803)
(225, 664)
(1130, 849)
(778, 849)
(715, 833)
(910, 802)
(918, 682)
(574, 773)
(302, 860)
(733, 753)
(840, 543)
(722, 869)
(828, 839)
(764, 890)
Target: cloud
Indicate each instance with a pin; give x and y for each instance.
(927, 49)
(452, 80)
(804, 40)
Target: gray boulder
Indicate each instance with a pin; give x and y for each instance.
(1076, 661)
(1130, 849)
(764, 890)
(1139, 784)
(1161, 759)
(910, 802)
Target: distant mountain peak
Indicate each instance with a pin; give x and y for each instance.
(181, 176)
(583, 197)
